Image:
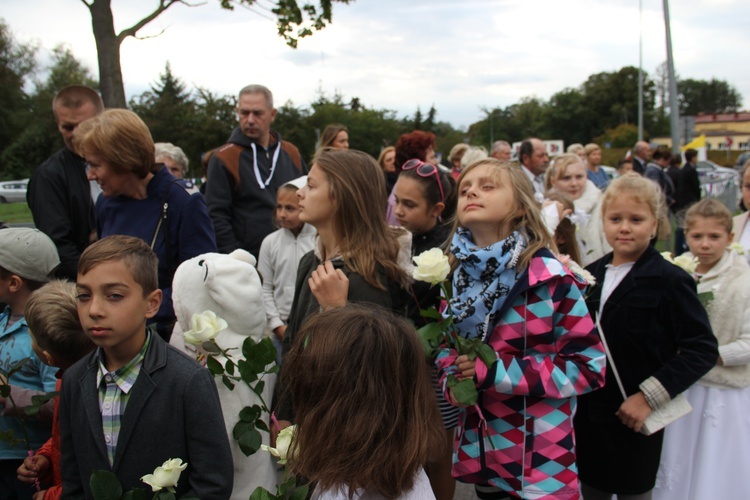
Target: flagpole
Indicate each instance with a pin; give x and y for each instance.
(674, 110)
(640, 72)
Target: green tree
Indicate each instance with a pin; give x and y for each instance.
(568, 117)
(293, 20)
(704, 96)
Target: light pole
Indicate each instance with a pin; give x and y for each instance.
(674, 110)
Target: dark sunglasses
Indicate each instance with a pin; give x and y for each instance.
(425, 170)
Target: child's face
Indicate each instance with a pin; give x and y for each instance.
(315, 203)
(287, 209)
(707, 239)
(573, 181)
(113, 310)
(486, 203)
(629, 225)
(411, 208)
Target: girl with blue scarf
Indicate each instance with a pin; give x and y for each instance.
(511, 292)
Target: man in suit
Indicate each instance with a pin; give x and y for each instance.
(641, 156)
(688, 192)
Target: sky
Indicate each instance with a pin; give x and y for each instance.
(460, 57)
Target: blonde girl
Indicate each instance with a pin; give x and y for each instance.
(701, 458)
(658, 335)
(567, 175)
(510, 292)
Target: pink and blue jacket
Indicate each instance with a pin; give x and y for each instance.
(519, 436)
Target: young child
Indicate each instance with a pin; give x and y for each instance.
(357, 257)
(701, 456)
(59, 341)
(136, 402)
(509, 291)
(279, 258)
(425, 199)
(27, 257)
(658, 335)
(358, 373)
(565, 232)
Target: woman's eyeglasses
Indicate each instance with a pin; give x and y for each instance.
(425, 170)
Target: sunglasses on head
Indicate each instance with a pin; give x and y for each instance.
(425, 170)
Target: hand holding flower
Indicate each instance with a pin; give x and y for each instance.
(466, 366)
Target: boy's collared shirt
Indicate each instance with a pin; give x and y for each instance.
(114, 393)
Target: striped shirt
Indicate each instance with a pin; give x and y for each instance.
(114, 392)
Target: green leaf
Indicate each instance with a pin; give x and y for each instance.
(228, 383)
(135, 494)
(105, 485)
(431, 313)
(486, 354)
(260, 424)
(4, 390)
(246, 346)
(211, 347)
(242, 427)
(273, 369)
(262, 494)
(300, 493)
(164, 495)
(250, 442)
(465, 392)
(258, 388)
(247, 372)
(214, 366)
(229, 366)
(250, 413)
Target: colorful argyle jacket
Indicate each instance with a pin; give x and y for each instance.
(519, 436)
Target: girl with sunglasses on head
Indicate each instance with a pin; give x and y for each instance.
(356, 257)
(511, 292)
(425, 200)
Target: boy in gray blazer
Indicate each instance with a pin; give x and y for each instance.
(136, 402)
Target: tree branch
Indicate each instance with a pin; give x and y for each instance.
(163, 5)
(88, 5)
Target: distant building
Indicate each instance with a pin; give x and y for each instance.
(717, 127)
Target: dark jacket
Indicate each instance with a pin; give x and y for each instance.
(243, 214)
(188, 225)
(424, 295)
(688, 187)
(657, 174)
(59, 196)
(639, 165)
(173, 412)
(655, 325)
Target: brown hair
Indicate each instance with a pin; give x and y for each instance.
(75, 96)
(121, 138)
(527, 216)
(360, 374)
(137, 256)
(31, 285)
(641, 189)
(357, 189)
(52, 316)
(330, 133)
(566, 230)
(709, 209)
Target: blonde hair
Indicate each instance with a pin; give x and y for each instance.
(357, 189)
(122, 140)
(526, 217)
(385, 151)
(590, 148)
(473, 154)
(634, 185)
(457, 150)
(52, 316)
(709, 209)
(558, 168)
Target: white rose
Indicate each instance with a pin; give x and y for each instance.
(203, 327)
(431, 266)
(687, 263)
(737, 248)
(283, 442)
(166, 475)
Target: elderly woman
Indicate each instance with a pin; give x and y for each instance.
(176, 161)
(567, 175)
(142, 199)
(594, 172)
(454, 157)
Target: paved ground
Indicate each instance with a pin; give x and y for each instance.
(464, 492)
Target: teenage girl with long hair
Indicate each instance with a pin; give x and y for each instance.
(511, 292)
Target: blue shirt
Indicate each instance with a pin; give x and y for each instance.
(15, 346)
(600, 178)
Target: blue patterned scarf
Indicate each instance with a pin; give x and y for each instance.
(483, 280)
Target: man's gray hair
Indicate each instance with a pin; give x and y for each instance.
(174, 153)
(258, 89)
(497, 145)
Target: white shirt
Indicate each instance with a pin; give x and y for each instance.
(537, 181)
(420, 491)
(613, 277)
(745, 241)
(278, 261)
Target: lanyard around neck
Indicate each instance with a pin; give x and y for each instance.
(265, 184)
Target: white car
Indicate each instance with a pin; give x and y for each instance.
(13, 191)
(720, 182)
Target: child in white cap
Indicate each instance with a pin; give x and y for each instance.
(27, 257)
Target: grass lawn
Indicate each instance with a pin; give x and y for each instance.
(15, 212)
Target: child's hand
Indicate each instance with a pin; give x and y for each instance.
(634, 411)
(465, 366)
(454, 401)
(39, 495)
(330, 286)
(279, 332)
(33, 468)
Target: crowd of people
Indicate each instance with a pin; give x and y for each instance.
(580, 358)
